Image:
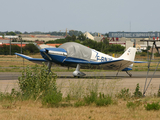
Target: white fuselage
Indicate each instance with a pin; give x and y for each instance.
(100, 57)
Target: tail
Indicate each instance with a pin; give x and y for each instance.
(129, 54)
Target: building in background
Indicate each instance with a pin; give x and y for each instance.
(135, 38)
(88, 35)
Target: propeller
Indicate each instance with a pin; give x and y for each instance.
(46, 53)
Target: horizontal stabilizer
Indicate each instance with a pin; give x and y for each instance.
(139, 62)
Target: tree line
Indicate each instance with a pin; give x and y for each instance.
(102, 46)
(28, 49)
(56, 33)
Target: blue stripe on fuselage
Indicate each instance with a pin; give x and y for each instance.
(57, 58)
(81, 61)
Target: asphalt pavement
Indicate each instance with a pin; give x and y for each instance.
(100, 75)
(108, 82)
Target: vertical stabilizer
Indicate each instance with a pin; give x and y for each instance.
(129, 54)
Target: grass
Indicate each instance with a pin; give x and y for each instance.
(34, 110)
(30, 110)
(152, 106)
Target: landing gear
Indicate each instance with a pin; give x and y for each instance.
(130, 75)
(49, 66)
(78, 73)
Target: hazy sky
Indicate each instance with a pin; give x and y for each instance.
(84, 15)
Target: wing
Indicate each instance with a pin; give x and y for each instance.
(118, 64)
(35, 60)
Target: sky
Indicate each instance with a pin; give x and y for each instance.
(101, 16)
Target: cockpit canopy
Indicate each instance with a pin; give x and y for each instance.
(77, 50)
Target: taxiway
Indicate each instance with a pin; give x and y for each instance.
(107, 81)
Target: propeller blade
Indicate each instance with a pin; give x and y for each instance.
(37, 46)
(46, 53)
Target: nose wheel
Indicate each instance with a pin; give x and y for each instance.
(78, 73)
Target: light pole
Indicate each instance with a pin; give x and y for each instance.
(10, 45)
(20, 38)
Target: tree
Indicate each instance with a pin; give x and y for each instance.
(68, 38)
(18, 32)
(116, 48)
(11, 33)
(5, 49)
(57, 41)
(73, 38)
(31, 48)
(103, 46)
(81, 37)
(3, 36)
(25, 32)
(106, 34)
(106, 41)
(74, 32)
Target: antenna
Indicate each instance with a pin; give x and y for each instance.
(130, 26)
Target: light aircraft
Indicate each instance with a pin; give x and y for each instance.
(73, 54)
